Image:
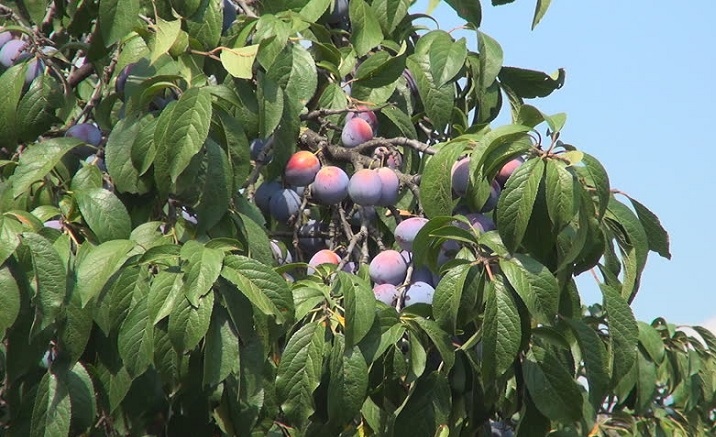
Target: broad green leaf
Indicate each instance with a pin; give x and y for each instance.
(239, 62)
(446, 57)
(561, 192)
(36, 110)
(50, 278)
(98, 266)
(633, 244)
(535, 284)
(646, 384)
(82, 397)
(265, 288)
(314, 9)
(136, 338)
(623, 332)
(117, 18)
(105, 214)
(540, 9)
(51, 413)
(37, 161)
(551, 386)
(75, 331)
(436, 183)
(221, 349)
(11, 83)
(599, 180)
(366, 32)
(427, 406)
(299, 372)
(348, 384)
(165, 33)
(9, 299)
(529, 84)
(295, 71)
(115, 383)
(514, 208)
(501, 332)
(271, 103)
(417, 358)
(385, 332)
(440, 339)
(651, 341)
(205, 25)
(131, 284)
(655, 232)
(467, 10)
(390, 13)
(258, 241)
(186, 131)
(165, 292)
(380, 69)
(438, 101)
(596, 360)
(10, 230)
(189, 324)
(118, 153)
(359, 304)
(214, 200)
(88, 177)
(448, 297)
(490, 59)
(203, 266)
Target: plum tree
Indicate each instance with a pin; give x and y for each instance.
(390, 187)
(365, 187)
(388, 267)
(11, 51)
(284, 204)
(330, 185)
(355, 132)
(301, 168)
(406, 231)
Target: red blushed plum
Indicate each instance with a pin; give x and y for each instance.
(280, 253)
(355, 132)
(386, 293)
(390, 187)
(325, 256)
(11, 51)
(388, 267)
(419, 292)
(367, 115)
(406, 231)
(284, 204)
(365, 187)
(264, 192)
(507, 170)
(460, 177)
(491, 201)
(301, 168)
(330, 185)
(86, 132)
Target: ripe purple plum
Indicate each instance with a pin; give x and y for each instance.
(410, 80)
(507, 170)
(122, 78)
(367, 115)
(330, 185)
(86, 132)
(390, 187)
(325, 256)
(310, 236)
(406, 231)
(386, 293)
(423, 274)
(280, 252)
(264, 192)
(355, 132)
(284, 204)
(460, 176)
(339, 11)
(35, 68)
(491, 201)
(481, 222)
(256, 147)
(5, 36)
(365, 187)
(11, 51)
(388, 267)
(229, 16)
(301, 168)
(54, 224)
(419, 292)
(389, 158)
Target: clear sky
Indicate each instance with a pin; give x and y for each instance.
(640, 82)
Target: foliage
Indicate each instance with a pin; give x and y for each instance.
(144, 292)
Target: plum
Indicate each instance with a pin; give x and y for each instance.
(410, 80)
(390, 186)
(54, 224)
(355, 132)
(284, 204)
(365, 114)
(5, 37)
(256, 147)
(301, 168)
(310, 236)
(86, 132)
(423, 274)
(406, 231)
(389, 158)
(460, 174)
(11, 51)
(280, 253)
(481, 222)
(34, 67)
(264, 192)
(419, 292)
(365, 187)
(229, 16)
(330, 185)
(325, 256)
(339, 11)
(388, 267)
(122, 78)
(386, 293)
(491, 201)
(365, 211)
(507, 170)
(189, 217)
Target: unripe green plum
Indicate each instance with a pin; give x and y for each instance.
(284, 204)
(355, 132)
(419, 292)
(390, 187)
(406, 231)
(386, 293)
(507, 170)
(86, 132)
(330, 185)
(11, 51)
(388, 267)
(264, 192)
(365, 187)
(301, 168)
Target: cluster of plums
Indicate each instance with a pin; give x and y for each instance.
(14, 50)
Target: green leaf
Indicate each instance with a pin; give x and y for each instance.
(50, 278)
(239, 62)
(348, 384)
(165, 33)
(74, 333)
(655, 232)
(299, 372)
(438, 101)
(189, 324)
(9, 299)
(448, 297)
(36, 110)
(380, 69)
(165, 292)
(117, 18)
(440, 339)
(436, 183)
(359, 303)
(650, 340)
(427, 406)
(214, 200)
(203, 266)
(623, 332)
(10, 230)
(535, 284)
(467, 10)
(599, 180)
(37, 161)
(136, 338)
(562, 195)
(186, 131)
(206, 24)
(551, 386)
(390, 13)
(105, 214)
(295, 71)
(596, 360)
(540, 9)
(529, 84)
(633, 244)
(82, 398)
(265, 288)
(118, 153)
(514, 207)
(490, 59)
(51, 411)
(366, 32)
(501, 331)
(98, 266)
(11, 83)
(221, 349)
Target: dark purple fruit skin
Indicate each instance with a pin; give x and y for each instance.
(229, 16)
(86, 132)
(390, 187)
(256, 147)
(339, 11)
(460, 177)
(355, 132)
(406, 231)
(491, 201)
(122, 78)
(365, 187)
(481, 222)
(263, 194)
(11, 51)
(330, 185)
(310, 238)
(301, 168)
(388, 267)
(423, 274)
(284, 204)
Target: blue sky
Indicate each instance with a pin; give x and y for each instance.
(638, 91)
